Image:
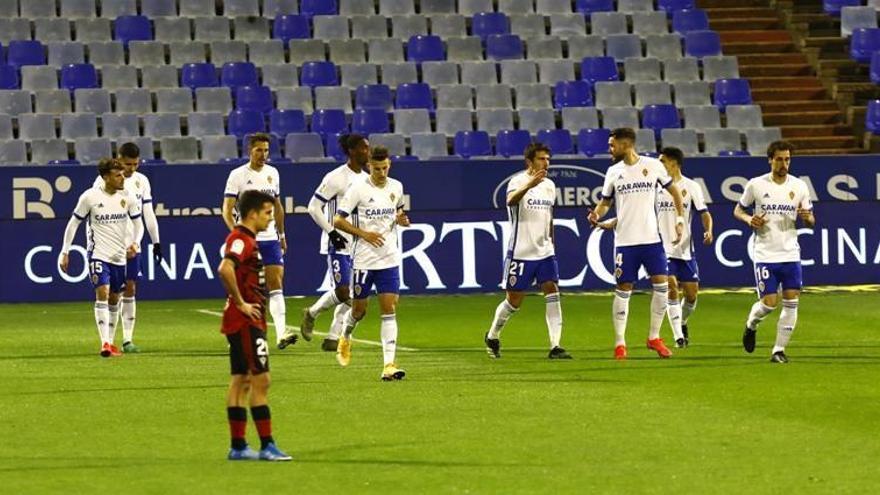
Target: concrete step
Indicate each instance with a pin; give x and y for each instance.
(740, 12)
(770, 70)
(788, 94)
(736, 23)
(799, 106)
(831, 151)
(801, 118)
(755, 36)
(823, 142)
(816, 130)
(751, 48)
(799, 82)
(724, 4)
(827, 43)
(771, 58)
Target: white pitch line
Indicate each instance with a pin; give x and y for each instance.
(295, 328)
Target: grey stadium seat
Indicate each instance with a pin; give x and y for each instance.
(192, 8)
(720, 67)
(306, 51)
(179, 149)
(47, 30)
(250, 28)
(553, 71)
(395, 74)
(396, 7)
(645, 23)
(493, 120)
(89, 30)
(663, 46)
(518, 71)
(757, 140)
(395, 143)
(205, 124)
(65, 52)
(13, 152)
(683, 69)
(565, 25)
(631, 6)
(333, 97)
(652, 93)
(159, 8)
(586, 46)
(475, 73)
(144, 144)
(295, 98)
(211, 29)
(464, 49)
(623, 46)
(14, 29)
(553, 6)
(533, 96)
(92, 100)
(115, 8)
(303, 146)
(536, 119)
(428, 145)
(576, 118)
(266, 52)
(744, 116)
(471, 7)
(328, 27)
(159, 125)
(437, 6)
(5, 126)
(272, 8)
(216, 148)
(451, 120)
(232, 8)
(347, 51)
(187, 52)
(36, 126)
(493, 96)
(448, 26)
(228, 51)
(527, 25)
(174, 100)
(89, 151)
(134, 100)
(641, 69)
(170, 29)
(103, 53)
(14, 102)
(692, 93)
(143, 53)
(613, 94)
(405, 26)
(684, 139)
(44, 151)
(369, 27)
(456, 96)
(279, 76)
(120, 125)
(54, 101)
(607, 23)
(435, 73)
(356, 7)
(354, 75)
(410, 121)
(214, 100)
(717, 140)
(614, 117)
(646, 141)
(548, 47)
(159, 76)
(516, 6)
(701, 117)
(37, 77)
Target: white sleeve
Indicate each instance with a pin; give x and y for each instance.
(316, 211)
(608, 185)
(150, 222)
(70, 233)
(349, 202)
(697, 197)
(277, 177)
(400, 199)
(328, 188)
(148, 191)
(99, 181)
(134, 212)
(232, 186)
(748, 197)
(806, 203)
(83, 206)
(663, 177)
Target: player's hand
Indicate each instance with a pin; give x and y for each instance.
(252, 311)
(593, 217)
(157, 252)
(606, 225)
(679, 230)
(339, 242)
(537, 178)
(375, 239)
(805, 215)
(132, 251)
(402, 219)
(758, 221)
(708, 238)
(283, 245)
(65, 260)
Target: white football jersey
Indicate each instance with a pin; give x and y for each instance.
(244, 178)
(108, 217)
(330, 192)
(374, 209)
(776, 241)
(531, 220)
(138, 186)
(691, 201)
(634, 190)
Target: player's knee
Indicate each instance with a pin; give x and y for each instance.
(358, 313)
(343, 294)
(130, 289)
(673, 293)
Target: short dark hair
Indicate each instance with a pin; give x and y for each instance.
(107, 165)
(780, 145)
(258, 137)
(128, 150)
(624, 133)
(252, 200)
(347, 142)
(379, 154)
(533, 148)
(674, 153)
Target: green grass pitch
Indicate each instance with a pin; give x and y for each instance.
(712, 419)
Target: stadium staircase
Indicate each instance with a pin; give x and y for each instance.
(785, 69)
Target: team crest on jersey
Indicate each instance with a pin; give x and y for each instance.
(645, 172)
(122, 203)
(392, 196)
(760, 286)
(337, 277)
(137, 183)
(684, 193)
(790, 194)
(618, 272)
(269, 180)
(358, 289)
(94, 279)
(512, 280)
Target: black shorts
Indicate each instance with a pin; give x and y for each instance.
(248, 352)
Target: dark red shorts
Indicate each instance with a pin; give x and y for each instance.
(248, 351)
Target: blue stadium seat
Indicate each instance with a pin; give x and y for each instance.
(9, 77)
(659, 117)
(863, 43)
(25, 52)
(332, 147)
(592, 142)
(243, 122)
(284, 122)
(132, 28)
(594, 69)
(75, 76)
(512, 143)
(671, 6)
(573, 94)
(318, 74)
(701, 44)
(485, 23)
(504, 47)
(472, 143)
(872, 117)
(424, 48)
(414, 95)
(318, 7)
(200, 75)
(732, 92)
(329, 121)
(373, 96)
(685, 21)
(832, 7)
(367, 121)
(875, 68)
(236, 74)
(558, 140)
(587, 7)
(291, 27)
(257, 98)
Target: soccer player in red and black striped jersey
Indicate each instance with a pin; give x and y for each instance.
(244, 324)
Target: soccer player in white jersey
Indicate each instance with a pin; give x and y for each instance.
(632, 184)
(257, 174)
(334, 244)
(138, 186)
(530, 253)
(370, 212)
(682, 271)
(778, 200)
(108, 210)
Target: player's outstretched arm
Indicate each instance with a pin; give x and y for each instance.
(69, 234)
(226, 274)
(342, 223)
(708, 223)
(228, 206)
(594, 215)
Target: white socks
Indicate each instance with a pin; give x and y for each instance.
(102, 317)
(350, 323)
(687, 308)
(389, 337)
(658, 310)
(278, 310)
(129, 312)
(325, 302)
(338, 324)
(786, 323)
(553, 315)
(502, 314)
(619, 314)
(757, 314)
(113, 311)
(673, 311)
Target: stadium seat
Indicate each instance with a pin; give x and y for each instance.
(44, 151)
(318, 74)
(396, 7)
(576, 118)
(295, 98)
(224, 52)
(37, 77)
(721, 140)
(179, 149)
(558, 140)
(692, 93)
(448, 26)
(158, 8)
(65, 52)
(595, 69)
(553, 71)
(732, 92)
(411, 121)
(303, 146)
(36, 126)
(132, 28)
(856, 17)
(243, 122)
(274, 145)
(395, 143)
(646, 143)
(414, 95)
(366, 121)
(54, 101)
(115, 8)
(614, 117)
(354, 75)
(587, 7)
(471, 7)
(332, 148)
(493, 120)
(874, 69)
(54, 29)
(89, 151)
(623, 46)
(493, 96)
(352, 51)
(329, 121)
(630, 6)
(607, 23)
(257, 98)
(75, 76)
(685, 21)
(291, 26)
(356, 7)
(701, 44)
(533, 96)
(211, 28)
(485, 23)
(134, 100)
(172, 29)
(652, 93)
(15, 102)
(274, 8)
(543, 48)
(205, 124)
(474, 73)
(572, 94)
(451, 120)
(237, 74)
(214, 100)
(143, 53)
(25, 52)
(671, 6)
(423, 48)
(568, 25)
(279, 76)
(120, 125)
(374, 96)
(592, 142)
(368, 27)
(435, 73)
(683, 69)
(267, 52)
(701, 117)
(103, 53)
(217, 148)
(659, 117)
(176, 100)
(536, 119)
(457, 96)
(198, 75)
(462, 49)
(333, 97)
(641, 70)
(833, 7)
(9, 77)
(684, 139)
(512, 143)
(330, 27)
(663, 46)
(429, 145)
(13, 152)
(79, 125)
(721, 67)
(189, 52)
(613, 94)
(645, 23)
(383, 51)
(757, 140)
(527, 25)
(586, 46)
(159, 125)
(504, 47)
(744, 116)
(863, 43)
(404, 27)
(472, 143)
(547, 6)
